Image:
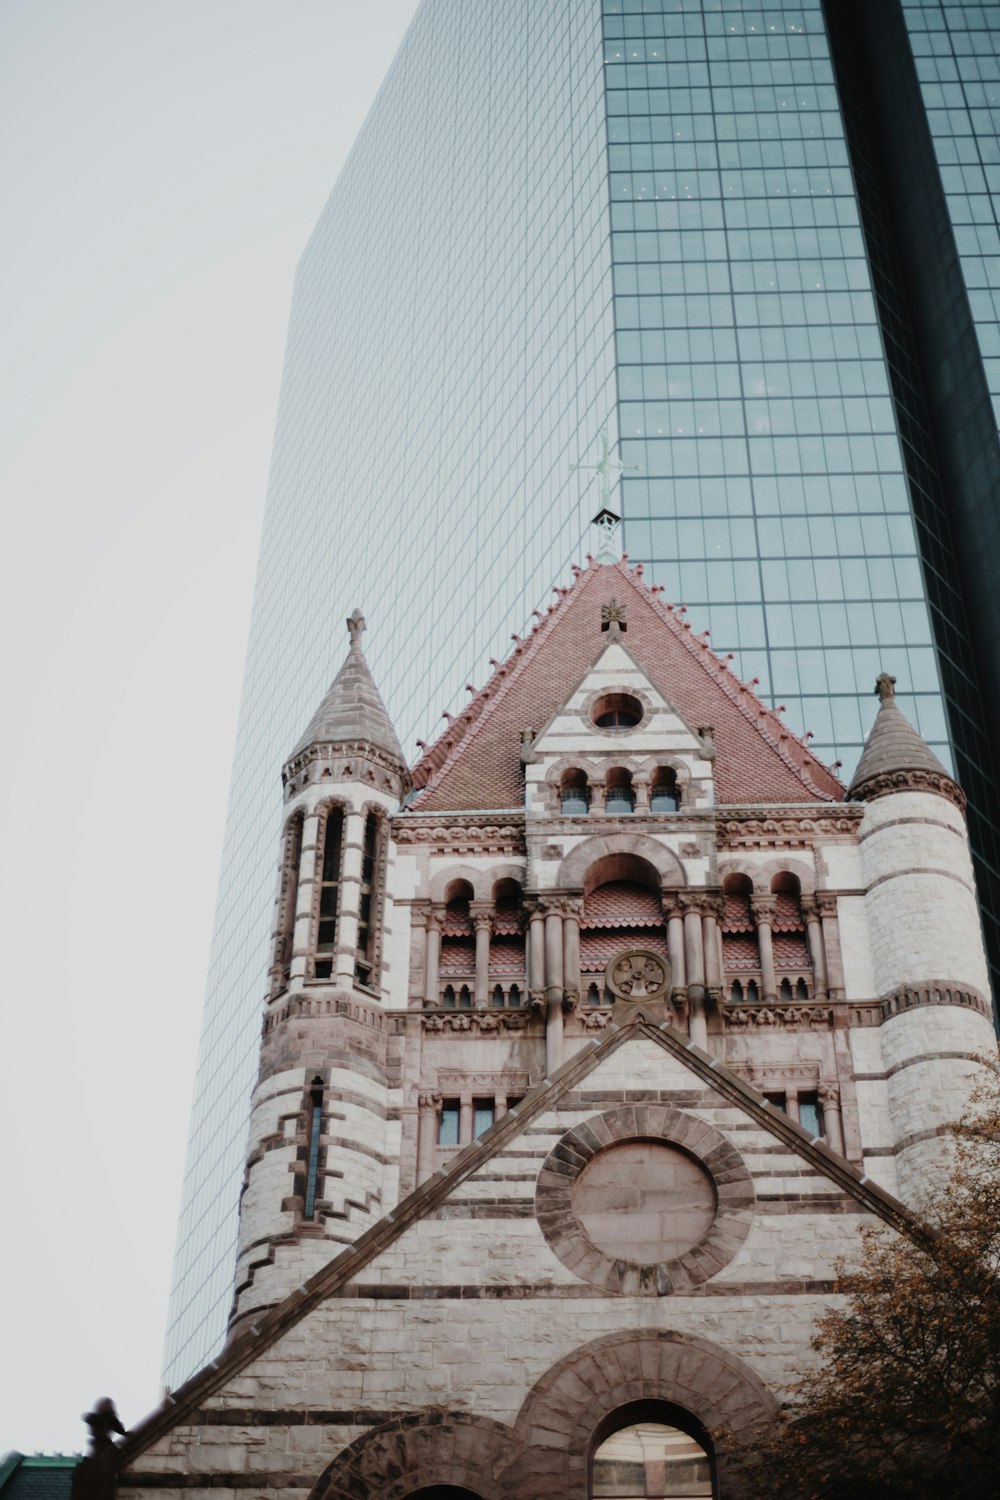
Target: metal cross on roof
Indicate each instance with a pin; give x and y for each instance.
(608, 469)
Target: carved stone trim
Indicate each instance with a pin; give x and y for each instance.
(909, 781)
(475, 1022)
(936, 993)
(739, 1017)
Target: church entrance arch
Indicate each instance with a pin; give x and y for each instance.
(570, 1412)
(652, 1450)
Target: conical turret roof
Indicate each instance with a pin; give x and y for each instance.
(352, 709)
(896, 757)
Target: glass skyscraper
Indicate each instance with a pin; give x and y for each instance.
(758, 246)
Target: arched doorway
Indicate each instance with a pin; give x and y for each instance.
(442, 1492)
(651, 1450)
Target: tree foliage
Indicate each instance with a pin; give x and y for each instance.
(906, 1398)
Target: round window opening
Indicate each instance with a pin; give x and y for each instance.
(617, 712)
(644, 1202)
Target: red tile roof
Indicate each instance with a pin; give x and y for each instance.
(622, 903)
(475, 763)
(596, 948)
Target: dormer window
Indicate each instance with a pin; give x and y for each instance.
(617, 712)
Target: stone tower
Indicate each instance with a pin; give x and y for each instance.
(323, 1155)
(588, 1046)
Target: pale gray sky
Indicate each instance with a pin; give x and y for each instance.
(162, 163)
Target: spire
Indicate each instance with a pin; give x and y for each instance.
(353, 709)
(896, 758)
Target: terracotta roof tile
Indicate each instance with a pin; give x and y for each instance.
(596, 948)
(622, 904)
(476, 761)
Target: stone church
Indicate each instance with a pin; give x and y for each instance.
(589, 1044)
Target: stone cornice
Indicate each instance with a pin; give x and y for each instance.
(461, 833)
(295, 775)
(909, 781)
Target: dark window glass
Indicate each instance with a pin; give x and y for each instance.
(329, 890)
(315, 1131)
(810, 1115)
(483, 1115)
(448, 1123)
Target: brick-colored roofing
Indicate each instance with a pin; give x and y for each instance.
(791, 951)
(787, 913)
(737, 916)
(596, 948)
(476, 761)
(622, 903)
(352, 709)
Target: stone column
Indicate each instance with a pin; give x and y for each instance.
(465, 1120)
(694, 959)
(427, 1133)
(304, 899)
(814, 934)
(571, 952)
(763, 912)
(536, 953)
(432, 959)
(481, 917)
(675, 946)
(830, 930)
(350, 897)
(828, 1095)
(710, 938)
(597, 797)
(640, 786)
(553, 990)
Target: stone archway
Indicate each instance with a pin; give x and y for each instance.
(421, 1452)
(569, 1404)
(573, 870)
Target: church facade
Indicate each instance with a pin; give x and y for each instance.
(589, 1044)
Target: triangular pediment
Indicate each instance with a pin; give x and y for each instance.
(640, 1082)
(573, 737)
(476, 761)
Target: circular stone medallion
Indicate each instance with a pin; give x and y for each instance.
(644, 1201)
(638, 974)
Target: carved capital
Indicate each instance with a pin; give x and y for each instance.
(827, 903)
(430, 1102)
(810, 908)
(482, 915)
(762, 909)
(828, 1095)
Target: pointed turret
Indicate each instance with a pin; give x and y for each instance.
(352, 711)
(897, 758)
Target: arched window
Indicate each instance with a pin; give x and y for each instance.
(621, 909)
(514, 997)
(791, 949)
(619, 797)
(329, 892)
(368, 909)
(458, 937)
(288, 890)
(574, 793)
(664, 794)
(652, 1450)
(465, 998)
(740, 951)
(498, 995)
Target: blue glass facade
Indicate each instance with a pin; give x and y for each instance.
(685, 221)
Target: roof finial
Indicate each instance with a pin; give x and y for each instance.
(885, 686)
(607, 470)
(356, 628)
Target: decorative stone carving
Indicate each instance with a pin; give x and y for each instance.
(638, 974)
(779, 1015)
